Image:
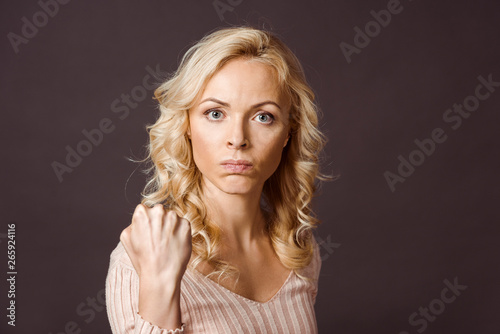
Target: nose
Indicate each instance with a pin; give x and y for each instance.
(237, 135)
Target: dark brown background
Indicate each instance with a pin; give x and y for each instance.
(385, 253)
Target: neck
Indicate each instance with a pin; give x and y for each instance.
(238, 215)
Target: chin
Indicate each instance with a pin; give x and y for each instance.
(237, 186)
(235, 190)
(233, 184)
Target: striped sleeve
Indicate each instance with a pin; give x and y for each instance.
(316, 267)
(122, 298)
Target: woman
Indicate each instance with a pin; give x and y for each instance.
(234, 157)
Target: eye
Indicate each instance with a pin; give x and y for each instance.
(265, 118)
(213, 114)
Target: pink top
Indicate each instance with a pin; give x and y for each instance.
(207, 307)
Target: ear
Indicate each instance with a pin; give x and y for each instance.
(188, 132)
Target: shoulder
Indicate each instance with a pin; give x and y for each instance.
(316, 259)
(313, 268)
(119, 257)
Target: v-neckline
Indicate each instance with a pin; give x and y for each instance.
(196, 272)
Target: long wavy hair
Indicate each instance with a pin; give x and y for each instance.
(175, 181)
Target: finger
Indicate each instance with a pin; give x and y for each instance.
(139, 216)
(185, 224)
(139, 226)
(140, 209)
(125, 235)
(125, 240)
(186, 231)
(156, 214)
(170, 222)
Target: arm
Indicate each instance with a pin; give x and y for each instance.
(122, 300)
(156, 248)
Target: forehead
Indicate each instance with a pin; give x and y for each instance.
(245, 79)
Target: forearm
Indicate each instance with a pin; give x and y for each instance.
(159, 302)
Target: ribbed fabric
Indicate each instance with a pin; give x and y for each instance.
(207, 307)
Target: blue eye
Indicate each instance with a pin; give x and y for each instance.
(265, 118)
(216, 114)
(213, 114)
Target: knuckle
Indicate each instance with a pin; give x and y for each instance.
(158, 207)
(157, 210)
(139, 208)
(140, 211)
(185, 226)
(172, 216)
(139, 218)
(124, 236)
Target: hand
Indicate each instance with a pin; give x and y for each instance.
(158, 243)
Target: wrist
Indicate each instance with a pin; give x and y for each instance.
(165, 276)
(159, 303)
(163, 287)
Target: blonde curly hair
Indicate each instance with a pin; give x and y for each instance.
(174, 179)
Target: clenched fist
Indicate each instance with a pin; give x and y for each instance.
(158, 243)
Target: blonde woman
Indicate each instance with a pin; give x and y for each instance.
(222, 241)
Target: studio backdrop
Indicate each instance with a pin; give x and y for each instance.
(409, 93)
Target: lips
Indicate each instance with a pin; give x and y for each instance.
(237, 166)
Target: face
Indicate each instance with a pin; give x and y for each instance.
(238, 127)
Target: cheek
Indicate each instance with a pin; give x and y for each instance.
(273, 152)
(200, 147)
(204, 146)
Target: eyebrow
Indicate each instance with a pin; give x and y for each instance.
(225, 104)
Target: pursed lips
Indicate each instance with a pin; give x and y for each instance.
(237, 166)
